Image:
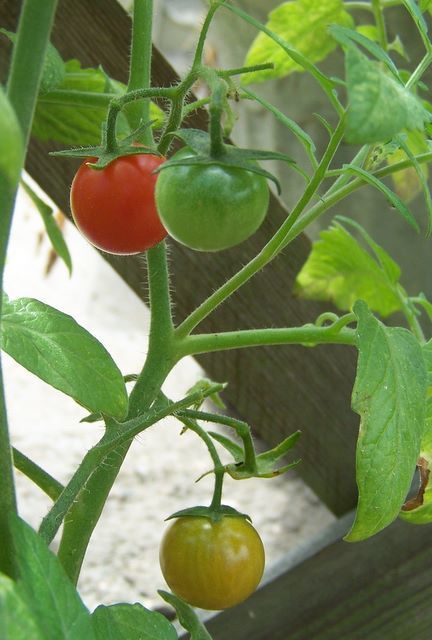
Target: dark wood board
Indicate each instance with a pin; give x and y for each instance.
(277, 389)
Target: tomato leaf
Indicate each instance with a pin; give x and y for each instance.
(131, 622)
(340, 270)
(408, 182)
(187, 617)
(16, 620)
(379, 106)
(346, 37)
(46, 589)
(390, 396)
(423, 513)
(303, 25)
(55, 235)
(54, 347)
(389, 194)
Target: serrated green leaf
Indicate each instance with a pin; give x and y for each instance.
(303, 25)
(16, 620)
(390, 396)
(339, 270)
(46, 589)
(131, 622)
(54, 347)
(52, 229)
(187, 617)
(379, 106)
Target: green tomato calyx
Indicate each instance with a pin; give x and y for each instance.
(214, 514)
(233, 157)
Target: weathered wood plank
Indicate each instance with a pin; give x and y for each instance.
(277, 389)
(333, 590)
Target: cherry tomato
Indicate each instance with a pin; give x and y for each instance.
(212, 565)
(114, 207)
(210, 207)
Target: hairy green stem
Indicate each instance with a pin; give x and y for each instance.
(190, 422)
(25, 73)
(96, 458)
(421, 68)
(140, 67)
(36, 474)
(308, 335)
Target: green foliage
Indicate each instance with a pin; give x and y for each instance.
(54, 347)
(51, 227)
(65, 118)
(379, 106)
(340, 270)
(303, 25)
(187, 617)
(16, 619)
(423, 513)
(43, 586)
(407, 182)
(131, 622)
(390, 396)
(72, 124)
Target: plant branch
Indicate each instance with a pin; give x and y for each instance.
(140, 66)
(36, 474)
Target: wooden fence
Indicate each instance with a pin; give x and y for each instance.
(327, 589)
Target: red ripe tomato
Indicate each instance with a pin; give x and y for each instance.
(114, 207)
(212, 565)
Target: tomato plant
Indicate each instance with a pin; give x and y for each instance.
(114, 207)
(210, 207)
(212, 564)
(211, 196)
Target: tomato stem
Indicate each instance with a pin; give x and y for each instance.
(380, 24)
(28, 58)
(140, 66)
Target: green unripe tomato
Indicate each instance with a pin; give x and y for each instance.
(210, 207)
(212, 565)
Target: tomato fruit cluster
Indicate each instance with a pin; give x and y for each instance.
(212, 564)
(114, 208)
(210, 207)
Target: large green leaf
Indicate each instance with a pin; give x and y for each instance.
(340, 270)
(131, 622)
(53, 346)
(46, 589)
(390, 396)
(16, 620)
(423, 513)
(379, 106)
(303, 25)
